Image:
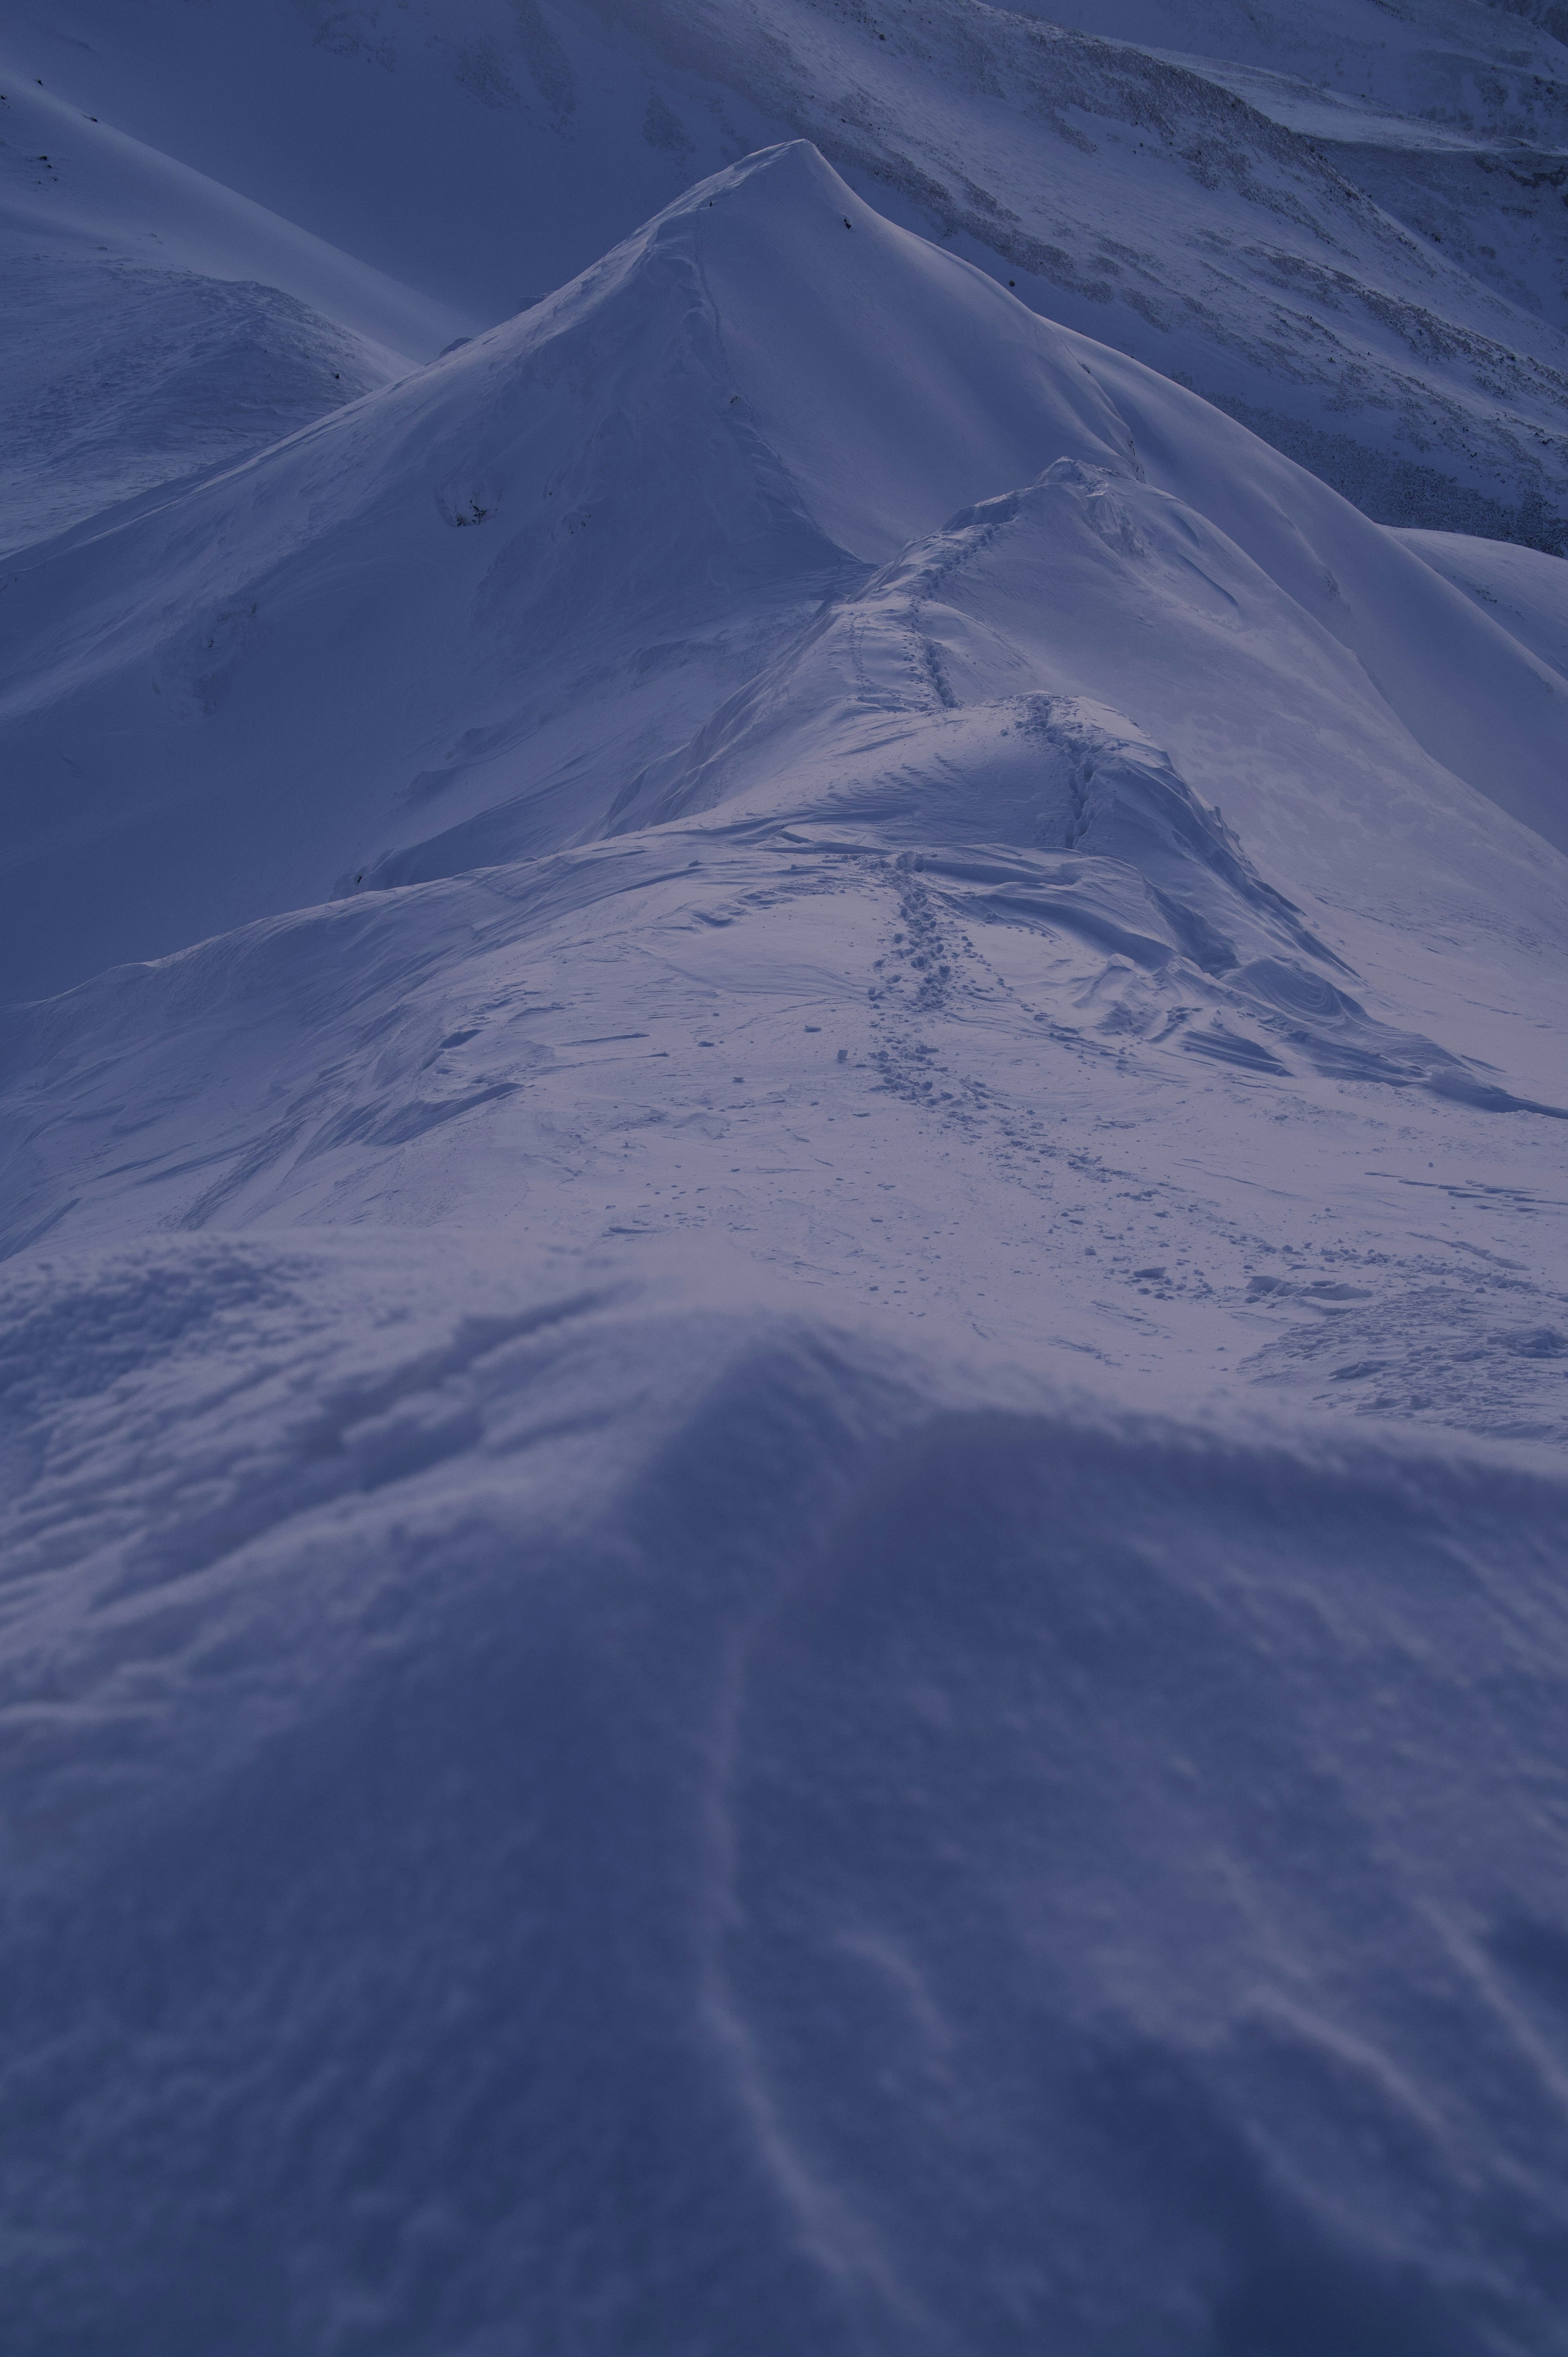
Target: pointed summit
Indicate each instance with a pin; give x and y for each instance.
(479, 602)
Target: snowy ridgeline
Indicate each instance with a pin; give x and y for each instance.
(1343, 222)
(734, 1732)
(505, 604)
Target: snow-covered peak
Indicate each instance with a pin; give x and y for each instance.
(512, 578)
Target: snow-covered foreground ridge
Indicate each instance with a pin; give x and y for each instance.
(537, 1811)
(678, 927)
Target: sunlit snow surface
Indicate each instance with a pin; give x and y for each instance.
(783, 1152)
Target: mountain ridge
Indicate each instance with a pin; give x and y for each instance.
(783, 1287)
(742, 460)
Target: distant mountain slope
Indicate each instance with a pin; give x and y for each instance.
(1494, 69)
(517, 576)
(1127, 193)
(73, 188)
(157, 325)
(117, 380)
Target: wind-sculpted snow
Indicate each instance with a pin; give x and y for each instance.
(1055, 587)
(681, 925)
(531, 1810)
(1168, 740)
(907, 1077)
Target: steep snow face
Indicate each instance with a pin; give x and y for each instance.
(534, 1811)
(1368, 273)
(477, 604)
(483, 151)
(430, 576)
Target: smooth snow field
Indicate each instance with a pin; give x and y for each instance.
(783, 1175)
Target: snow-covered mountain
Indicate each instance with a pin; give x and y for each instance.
(1343, 224)
(878, 1667)
(450, 624)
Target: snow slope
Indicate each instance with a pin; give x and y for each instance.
(1401, 334)
(534, 1808)
(783, 1344)
(1130, 775)
(1526, 591)
(90, 190)
(159, 327)
(1479, 171)
(1487, 68)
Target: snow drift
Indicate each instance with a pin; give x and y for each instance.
(531, 1809)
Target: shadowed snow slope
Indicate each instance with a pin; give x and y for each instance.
(1522, 588)
(537, 1813)
(92, 192)
(547, 558)
(158, 325)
